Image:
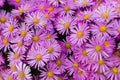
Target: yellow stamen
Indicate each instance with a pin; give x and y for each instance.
(86, 16)
(42, 7)
(20, 43)
(84, 2)
(115, 70)
(118, 29)
(59, 78)
(67, 45)
(21, 74)
(75, 64)
(48, 36)
(35, 20)
(50, 74)
(16, 55)
(98, 48)
(38, 57)
(50, 9)
(79, 34)
(117, 9)
(103, 28)
(35, 38)
(50, 49)
(9, 77)
(2, 19)
(58, 62)
(21, 10)
(117, 53)
(105, 15)
(5, 41)
(66, 25)
(13, 67)
(23, 32)
(84, 52)
(101, 62)
(80, 72)
(17, 1)
(106, 43)
(46, 15)
(66, 8)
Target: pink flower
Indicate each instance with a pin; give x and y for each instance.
(53, 49)
(79, 34)
(38, 57)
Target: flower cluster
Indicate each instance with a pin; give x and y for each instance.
(59, 40)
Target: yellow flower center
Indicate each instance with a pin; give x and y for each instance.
(67, 45)
(117, 9)
(75, 64)
(118, 29)
(101, 62)
(46, 15)
(106, 43)
(38, 57)
(9, 77)
(66, 8)
(115, 70)
(13, 67)
(42, 7)
(59, 78)
(3, 19)
(79, 34)
(58, 62)
(84, 52)
(84, 2)
(86, 16)
(16, 55)
(50, 49)
(10, 28)
(50, 9)
(98, 48)
(50, 74)
(18, 1)
(117, 53)
(35, 20)
(98, 2)
(23, 32)
(5, 41)
(99, 72)
(44, 25)
(48, 36)
(103, 28)
(105, 15)
(66, 25)
(21, 74)
(21, 10)
(35, 38)
(20, 43)
(80, 72)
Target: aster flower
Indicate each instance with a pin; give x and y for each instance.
(79, 34)
(65, 24)
(56, 2)
(104, 12)
(23, 72)
(50, 73)
(36, 19)
(38, 57)
(10, 29)
(53, 49)
(95, 49)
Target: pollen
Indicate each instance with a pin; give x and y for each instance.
(38, 57)
(58, 62)
(21, 10)
(98, 48)
(46, 15)
(20, 43)
(67, 45)
(21, 74)
(101, 62)
(118, 29)
(13, 67)
(16, 55)
(35, 38)
(115, 70)
(103, 28)
(50, 74)
(50, 49)
(84, 52)
(106, 43)
(66, 25)
(42, 7)
(2, 19)
(66, 8)
(10, 28)
(51, 9)
(86, 16)
(75, 64)
(79, 34)
(5, 41)
(48, 36)
(17, 1)
(35, 20)
(105, 15)
(9, 77)
(59, 78)
(23, 32)
(80, 72)
(84, 2)
(117, 9)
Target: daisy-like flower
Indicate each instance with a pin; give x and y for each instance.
(71, 65)
(79, 34)
(2, 2)
(38, 57)
(65, 24)
(35, 19)
(104, 12)
(56, 2)
(83, 3)
(80, 74)
(101, 29)
(67, 8)
(60, 63)
(81, 54)
(19, 45)
(50, 73)
(113, 73)
(4, 43)
(95, 49)
(15, 57)
(10, 29)
(53, 49)
(23, 72)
